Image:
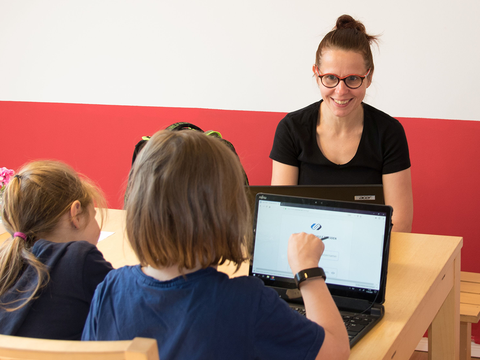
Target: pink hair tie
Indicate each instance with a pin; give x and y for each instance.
(20, 234)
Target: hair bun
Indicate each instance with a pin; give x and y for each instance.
(348, 22)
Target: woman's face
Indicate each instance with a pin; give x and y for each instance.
(342, 101)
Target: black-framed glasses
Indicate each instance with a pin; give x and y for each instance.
(352, 81)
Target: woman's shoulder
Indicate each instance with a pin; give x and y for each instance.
(379, 116)
(300, 121)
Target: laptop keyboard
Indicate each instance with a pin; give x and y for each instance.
(353, 322)
(356, 323)
(300, 310)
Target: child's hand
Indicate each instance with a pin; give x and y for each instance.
(304, 251)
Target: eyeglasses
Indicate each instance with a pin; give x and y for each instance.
(351, 81)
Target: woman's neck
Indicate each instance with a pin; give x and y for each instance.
(339, 124)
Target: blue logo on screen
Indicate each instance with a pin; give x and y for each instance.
(316, 226)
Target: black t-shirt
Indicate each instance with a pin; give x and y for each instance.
(383, 149)
(60, 311)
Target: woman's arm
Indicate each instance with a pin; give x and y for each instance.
(397, 188)
(283, 174)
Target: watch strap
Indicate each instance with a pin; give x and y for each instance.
(306, 274)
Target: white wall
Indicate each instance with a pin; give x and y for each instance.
(241, 55)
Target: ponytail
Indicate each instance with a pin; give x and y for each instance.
(33, 203)
(15, 255)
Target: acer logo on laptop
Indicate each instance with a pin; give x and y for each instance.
(365, 197)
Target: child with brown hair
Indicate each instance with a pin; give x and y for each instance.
(50, 267)
(187, 213)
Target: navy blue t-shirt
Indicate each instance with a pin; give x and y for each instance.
(383, 149)
(61, 308)
(204, 315)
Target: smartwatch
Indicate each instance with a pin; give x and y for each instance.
(306, 274)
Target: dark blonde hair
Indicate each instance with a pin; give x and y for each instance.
(186, 203)
(350, 35)
(33, 203)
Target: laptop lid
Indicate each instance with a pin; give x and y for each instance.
(372, 194)
(356, 237)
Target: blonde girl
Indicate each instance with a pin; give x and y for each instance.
(50, 266)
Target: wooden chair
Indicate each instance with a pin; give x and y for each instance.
(469, 310)
(15, 347)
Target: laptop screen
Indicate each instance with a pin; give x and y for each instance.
(356, 238)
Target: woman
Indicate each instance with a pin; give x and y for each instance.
(340, 139)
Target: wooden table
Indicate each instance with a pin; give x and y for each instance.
(3, 233)
(423, 292)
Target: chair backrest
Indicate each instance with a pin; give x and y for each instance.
(15, 347)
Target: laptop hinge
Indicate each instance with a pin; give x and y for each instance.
(377, 310)
(357, 305)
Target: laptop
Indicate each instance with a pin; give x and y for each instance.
(355, 260)
(372, 194)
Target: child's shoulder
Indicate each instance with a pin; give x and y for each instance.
(45, 249)
(205, 278)
(43, 245)
(124, 274)
(74, 253)
(247, 285)
(247, 281)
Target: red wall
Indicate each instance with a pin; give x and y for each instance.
(98, 140)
